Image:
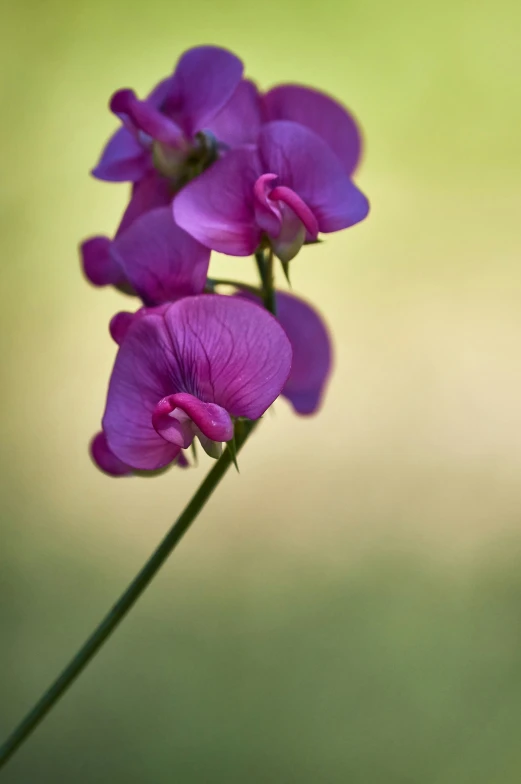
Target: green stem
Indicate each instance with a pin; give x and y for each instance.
(269, 283)
(212, 282)
(126, 601)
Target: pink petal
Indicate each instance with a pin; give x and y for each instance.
(312, 353)
(299, 207)
(173, 424)
(105, 459)
(141, 377)
(267, 213)
(122, 160)
(144, 118)
(160, 260)
(321, 114)
(217, 207)
(205, 78)
(212, 420)
(219, 350)
(150, 192)
(98, 265)
(240, 120)
(239, 355)
(305, 164)
(119, 325)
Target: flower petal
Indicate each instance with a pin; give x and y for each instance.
(322, 114)
(205, 78)
(143, 118)
(144, 373)
(217, 207)
(98, 265)
(311, 346)
(220, 350)
(299, 207)
(235, 354)
(173, 424)
(312, 353)
(212, 420)
(306, 164)
(160, 260)
(122, 160)
(240, 120)
(119, 325)
(106, 460)
(151, 191)
(120, 322)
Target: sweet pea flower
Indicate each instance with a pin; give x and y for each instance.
(287, 189)
(109, 464)
(166, 129)
(184, 370)
(240, 121)
(312, 351)
(153, 258)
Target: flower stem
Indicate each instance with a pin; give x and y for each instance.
(264, 260)
(211, 283)
(126, 601)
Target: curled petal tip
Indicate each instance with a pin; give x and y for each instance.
(98, 265)
(105, 459)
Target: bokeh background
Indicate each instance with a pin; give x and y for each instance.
(348, 608)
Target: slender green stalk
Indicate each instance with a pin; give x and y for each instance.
(213, 282)
(269, 282)
(127, 600)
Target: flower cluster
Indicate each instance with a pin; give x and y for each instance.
(215, 164)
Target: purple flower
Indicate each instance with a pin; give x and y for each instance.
(288, 189)
(312, 351)
(107, 461)
(184, 370)
(152, 257)
(166, 126)
(240, 120)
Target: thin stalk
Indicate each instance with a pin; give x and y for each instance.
(269, 283)
(126, 601)
(212, 282)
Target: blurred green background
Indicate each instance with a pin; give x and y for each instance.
(348, 609)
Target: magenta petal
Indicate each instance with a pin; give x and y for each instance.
(217, 207)
(140, 379)
(267, 213)
(173, 424)
(312, 353)
(119, 325)
(220, 352)
(145, 118)
(205, 78)
(122, 160)
(160, 260)
(105, 459)
(212, 420)
(299, 207)
(322, 114)
(98, 265)
(306, 164)
(151, 191)
(120, 322)
(240, 120)
(239, 356)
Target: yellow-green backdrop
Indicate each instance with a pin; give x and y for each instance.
(347, 608)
